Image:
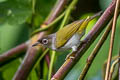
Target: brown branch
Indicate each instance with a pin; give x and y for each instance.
(95, 51)
(98, 27)
(47, 57)
(33, 52)
(13, 53)
(112, 40)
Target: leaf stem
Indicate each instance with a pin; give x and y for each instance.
(104, 66)
(49, 25)
(68, 12)
(33, 6)
(41, 57)
(112, 68)
(51, 65)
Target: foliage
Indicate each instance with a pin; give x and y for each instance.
(15, 17)
(15, 11)
(14, 14)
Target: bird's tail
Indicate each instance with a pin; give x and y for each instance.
(94, 16)
(87, 20)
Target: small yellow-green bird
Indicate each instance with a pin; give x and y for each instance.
(67, 37)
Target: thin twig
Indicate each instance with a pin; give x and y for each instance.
(104, 66)
(68, 12)
(92, 35)
(33, 6)
(112, 68)
(112, 40)
(41, 57)
(51, 65)
(49, 25)
(95, 51)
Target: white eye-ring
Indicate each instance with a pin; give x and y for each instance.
(45, 41)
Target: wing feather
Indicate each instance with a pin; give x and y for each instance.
(63, 35)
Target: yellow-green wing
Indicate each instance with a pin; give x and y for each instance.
(63, 35)
(84, 25)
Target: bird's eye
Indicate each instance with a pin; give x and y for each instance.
(45, 41)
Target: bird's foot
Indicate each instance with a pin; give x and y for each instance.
(70, 56)
(74, 48)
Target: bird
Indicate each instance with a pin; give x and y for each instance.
(69, 37)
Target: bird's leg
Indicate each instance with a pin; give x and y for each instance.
(74, 49)
(72, 54)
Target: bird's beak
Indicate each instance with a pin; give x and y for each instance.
(35, 44)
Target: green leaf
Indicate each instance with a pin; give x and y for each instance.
(2, 1)
(104, 3)
(9, 70)
(33, 75)
(43, 7)
(15, 11)
(11, 36)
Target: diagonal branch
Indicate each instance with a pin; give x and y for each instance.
(98, 27)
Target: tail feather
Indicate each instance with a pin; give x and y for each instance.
(87, 20)
(95, 15)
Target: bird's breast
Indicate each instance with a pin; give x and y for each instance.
(73, 41)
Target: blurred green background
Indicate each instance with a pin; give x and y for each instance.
(15, 16)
